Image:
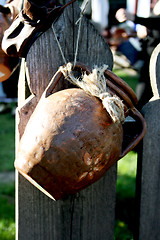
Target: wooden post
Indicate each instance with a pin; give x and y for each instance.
(149, 161)
(89, 214)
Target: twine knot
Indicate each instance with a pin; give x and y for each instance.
(95, 84)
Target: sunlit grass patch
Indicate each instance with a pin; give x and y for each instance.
(132, 80)
(122, 232)
(7, 229)
(125, 201)
(127, 167)
(7, 211)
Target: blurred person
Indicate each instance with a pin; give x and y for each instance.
(150, 38)
(132, 47)
(100, 11)
(97, 11)
(156, 9)
(137, 7)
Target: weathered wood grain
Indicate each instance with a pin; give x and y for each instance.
(89, 215)
(149, 161)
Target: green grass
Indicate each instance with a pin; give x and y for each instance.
(126, 181)
(7, 190)
(7, 230)
(7, 142)
(132, 79)
(7, 211)
(126, 175)
(125, 202)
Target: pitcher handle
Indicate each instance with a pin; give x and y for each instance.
(136, 115)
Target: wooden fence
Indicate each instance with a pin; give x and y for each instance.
(90, 214)
(148, 177)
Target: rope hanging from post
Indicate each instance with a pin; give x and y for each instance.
(59, 46)
(94, 83)
(79, 30)
(78, 35)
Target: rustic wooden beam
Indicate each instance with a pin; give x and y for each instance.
(148, 180)
(89, 214)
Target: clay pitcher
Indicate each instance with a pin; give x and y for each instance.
(71, 141)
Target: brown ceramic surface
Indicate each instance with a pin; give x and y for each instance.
(70, 140)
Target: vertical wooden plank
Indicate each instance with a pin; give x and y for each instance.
(149, 161)
(21, 99)
(90, 214)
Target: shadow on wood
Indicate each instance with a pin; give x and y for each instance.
(149, 161)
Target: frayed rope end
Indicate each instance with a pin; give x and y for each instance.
(95, 84)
